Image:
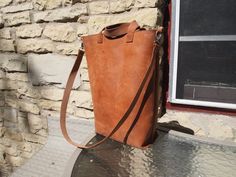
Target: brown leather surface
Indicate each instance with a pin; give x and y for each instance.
(116, 69)
(122, 73)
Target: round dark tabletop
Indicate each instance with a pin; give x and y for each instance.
(169, 156)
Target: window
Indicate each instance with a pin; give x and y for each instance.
(203, 53)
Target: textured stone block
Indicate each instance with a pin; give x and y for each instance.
(34, 45)
(25, 146)
(10, 126)
(219, 130)
(15, 161)
(13, 62)
(23, 125)
(144, 17)
(51, 93)
(29, 31)
(45, 121)
(49, 113)
(26, 155)
(83, 19)
(85, 86)
(84, 113)
(5, 142)
(51, 69)
(67, 2)
(2, 74)
(12, 151)
(61, 14)
(3, 84)
(34, 138)
(28, 90)
(12, 102)
(68, 49)
(2, 131)
(7, 45)
(39, 4)
(27, 106)
(5, 33)
(5, 2)
(53, 106)
(20, 1)
(1, 20)
(42, 132)
(22, 114)
(35, 123)
(145, 3)
(97, 23)
(13, 136)
(81, 99)
(17, 8)
(18, 76)
(17, 18)
(11, 85)
(50, 105)
(83, 1)
(47, 4)
(84, 64)
(52, 4)
(8, 85)
(117, 6)
(120, 6)
(98, 7)
(84, 75)
(1, 114)
(10, 114)
(17, 65)
(62, 32)
(2, 102)
(22, 104)
(82, 29)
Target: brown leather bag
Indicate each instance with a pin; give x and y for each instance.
(122, 63)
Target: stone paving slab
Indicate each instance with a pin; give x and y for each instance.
(53, 158)
(217, 126)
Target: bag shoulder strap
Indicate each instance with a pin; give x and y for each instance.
(69, 86)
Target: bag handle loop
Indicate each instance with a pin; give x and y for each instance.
(117, 30)
(131, 29)
(68, 89)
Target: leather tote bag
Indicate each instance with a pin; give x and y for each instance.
(122, 65)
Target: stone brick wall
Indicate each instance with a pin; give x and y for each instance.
(38, 43)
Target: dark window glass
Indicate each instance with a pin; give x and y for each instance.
(207, 71)
(207, 17)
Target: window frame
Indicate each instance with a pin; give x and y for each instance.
(174, 46)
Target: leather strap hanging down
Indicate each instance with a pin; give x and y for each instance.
(69, 86)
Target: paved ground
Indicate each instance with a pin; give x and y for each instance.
(217, 126)
(52, 159)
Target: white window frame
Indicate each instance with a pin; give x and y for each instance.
(174, 44)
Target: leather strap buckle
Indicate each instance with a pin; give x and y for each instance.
(158, 38)
(158, 35)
